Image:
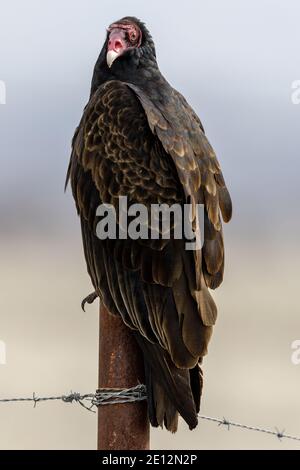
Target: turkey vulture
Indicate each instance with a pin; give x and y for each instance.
(138, 137)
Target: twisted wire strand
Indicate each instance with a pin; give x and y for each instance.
(136, 394)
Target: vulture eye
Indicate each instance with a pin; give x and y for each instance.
(133, 35)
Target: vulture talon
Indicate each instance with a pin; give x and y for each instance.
(89, 300)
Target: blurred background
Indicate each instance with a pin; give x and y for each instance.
(235, 62)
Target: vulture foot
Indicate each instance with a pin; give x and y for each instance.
(89, 300)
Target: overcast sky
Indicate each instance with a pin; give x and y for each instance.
(234, 61)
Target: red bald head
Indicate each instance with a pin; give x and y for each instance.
(122, 36)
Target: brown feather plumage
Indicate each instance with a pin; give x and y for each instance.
(140, 138)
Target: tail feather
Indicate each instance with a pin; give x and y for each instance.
(196, 378)
(165, 411)
(150, 396)
(170, 390)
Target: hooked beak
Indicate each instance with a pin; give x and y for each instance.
(111, 57)
(116, 46)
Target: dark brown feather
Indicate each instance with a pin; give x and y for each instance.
(153, 150)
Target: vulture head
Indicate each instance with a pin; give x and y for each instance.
(127, 52)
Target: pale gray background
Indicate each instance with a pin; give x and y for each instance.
(235, 62)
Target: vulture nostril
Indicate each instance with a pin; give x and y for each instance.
(115, 44)
(118, 45)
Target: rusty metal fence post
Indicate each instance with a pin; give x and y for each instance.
(120, 426)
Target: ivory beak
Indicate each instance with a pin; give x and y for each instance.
(111, 57)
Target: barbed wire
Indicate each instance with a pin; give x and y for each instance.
(136, 394)
(225, 422)
(107, 396)
(110, 396)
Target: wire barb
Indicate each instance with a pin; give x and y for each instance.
(136, 394)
